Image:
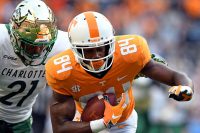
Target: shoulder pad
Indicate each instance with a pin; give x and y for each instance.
(59, 66)
(132, 48)
(4, 34)
(63, 38)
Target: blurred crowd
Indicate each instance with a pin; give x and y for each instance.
(172, 30)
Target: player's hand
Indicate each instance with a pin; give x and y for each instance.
(181, 93)
(113, 113)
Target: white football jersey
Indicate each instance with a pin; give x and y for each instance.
(20, 84)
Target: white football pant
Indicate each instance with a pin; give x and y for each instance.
(128, 126)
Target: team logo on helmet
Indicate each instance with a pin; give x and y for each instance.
(18, 18)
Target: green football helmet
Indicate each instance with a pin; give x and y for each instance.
(33, 31)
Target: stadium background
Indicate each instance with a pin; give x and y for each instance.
(172, 29)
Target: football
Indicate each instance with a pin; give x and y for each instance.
(95, 107)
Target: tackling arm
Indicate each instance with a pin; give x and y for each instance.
(62, 112)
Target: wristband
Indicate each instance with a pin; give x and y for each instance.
(97, 125)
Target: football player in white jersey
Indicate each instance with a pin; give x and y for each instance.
(26, 43)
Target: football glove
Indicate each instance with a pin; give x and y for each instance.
(181, 93)
(113, 113)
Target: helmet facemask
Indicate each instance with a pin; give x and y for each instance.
(101, 55)
(32, 35)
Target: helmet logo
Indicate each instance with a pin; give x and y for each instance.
(18, 18)
(73, 23)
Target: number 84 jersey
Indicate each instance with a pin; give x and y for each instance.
(65, 75)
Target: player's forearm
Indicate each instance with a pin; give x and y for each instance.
(182, 79)
(166, 75)
(62, 111)
(72, 127)
(61, 118)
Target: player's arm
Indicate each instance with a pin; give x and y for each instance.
(156, 58)
(62, 112)
(182, 89)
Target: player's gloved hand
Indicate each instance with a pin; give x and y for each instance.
(181, 93)
(113, 113)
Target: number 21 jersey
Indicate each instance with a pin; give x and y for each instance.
(20, 84)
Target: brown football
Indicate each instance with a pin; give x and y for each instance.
(95, 107)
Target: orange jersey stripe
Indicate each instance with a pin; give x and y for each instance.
(92, 25)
